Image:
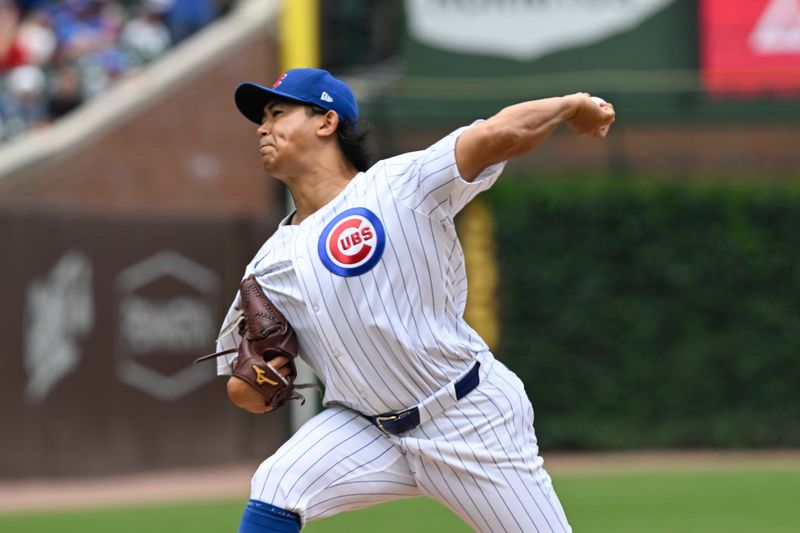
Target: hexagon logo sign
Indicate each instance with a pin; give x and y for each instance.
(165, 317)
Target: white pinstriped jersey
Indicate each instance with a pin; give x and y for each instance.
(374, 282)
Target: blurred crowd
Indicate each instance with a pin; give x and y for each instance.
(55, 54)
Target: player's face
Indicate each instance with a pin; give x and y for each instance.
(286, 135)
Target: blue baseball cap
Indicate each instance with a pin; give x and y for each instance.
(311, 86)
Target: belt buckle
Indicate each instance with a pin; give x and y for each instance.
(380, 419)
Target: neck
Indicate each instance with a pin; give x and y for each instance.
(316, 187)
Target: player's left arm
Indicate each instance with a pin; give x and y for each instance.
(520, 128)
(244, 396)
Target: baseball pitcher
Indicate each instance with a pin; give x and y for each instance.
(366, 282)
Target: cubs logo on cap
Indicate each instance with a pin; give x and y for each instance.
(279, 80)
(352, 243)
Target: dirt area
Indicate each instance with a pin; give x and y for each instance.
(169, 486)
(233, 481)
(656, 461)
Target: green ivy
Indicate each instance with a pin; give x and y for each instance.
(642, 313)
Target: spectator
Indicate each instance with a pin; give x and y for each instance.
(24, 102)
(83, 27)
(78, 48)
(28, 5)
(185, 17)
(145, 37)
(10, 53)
(36, 38)
(66, 93)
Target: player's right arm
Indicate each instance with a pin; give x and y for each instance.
(520, 128)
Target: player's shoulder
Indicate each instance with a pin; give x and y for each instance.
(275, 249)
(400, 161)
(409, 162)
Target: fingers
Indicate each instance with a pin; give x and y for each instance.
(592, 115)
(611, 116)
(607, 109)
(608, 118)
(280, 365)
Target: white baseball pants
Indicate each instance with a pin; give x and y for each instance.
(479, 457)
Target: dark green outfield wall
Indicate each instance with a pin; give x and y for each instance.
(652, 314)
(651, 72)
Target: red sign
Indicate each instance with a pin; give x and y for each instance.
(750, 47)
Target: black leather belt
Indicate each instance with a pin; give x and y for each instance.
(400, 422)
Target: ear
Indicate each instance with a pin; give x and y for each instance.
(328, 125)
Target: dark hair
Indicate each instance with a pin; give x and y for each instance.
(352, 141)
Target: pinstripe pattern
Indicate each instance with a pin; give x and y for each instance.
(491, 449)
(478, 457)
(387, 339)
(337, 461)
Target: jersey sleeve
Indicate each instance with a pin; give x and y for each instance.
(232, 340)
(428, 181)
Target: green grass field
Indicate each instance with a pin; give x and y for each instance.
(680, 501)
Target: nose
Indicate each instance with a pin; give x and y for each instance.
(263, 129)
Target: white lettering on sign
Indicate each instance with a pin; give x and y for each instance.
(59, 311)
(523, 29)
(181, 324)
(778, 29)
(165, 324)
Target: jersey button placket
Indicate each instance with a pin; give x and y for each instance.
(300, 262)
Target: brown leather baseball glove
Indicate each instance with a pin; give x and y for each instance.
(266, 334)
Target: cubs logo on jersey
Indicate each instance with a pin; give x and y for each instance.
(352, 243)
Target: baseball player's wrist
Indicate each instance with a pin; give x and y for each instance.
(572, 104)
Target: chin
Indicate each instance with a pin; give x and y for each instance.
(272, 169)
(269, 165)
